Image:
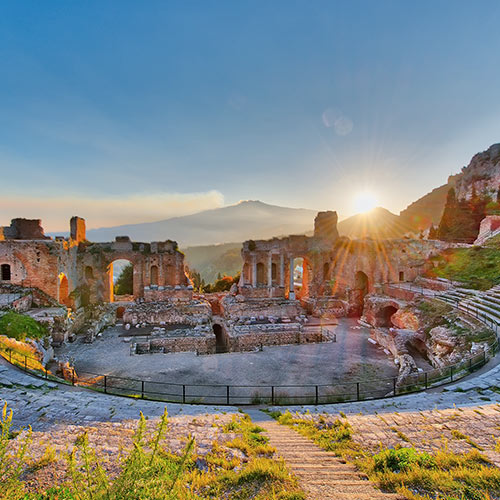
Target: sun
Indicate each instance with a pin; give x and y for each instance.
(365, 201)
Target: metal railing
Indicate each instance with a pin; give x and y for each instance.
(253, 394)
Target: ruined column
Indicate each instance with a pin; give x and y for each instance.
(254, 271)
(291, 293)
(282, 270)
(270, 270)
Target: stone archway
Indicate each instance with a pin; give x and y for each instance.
(357, 294)
(63, 290)
(221, 340)
(261, 274)
(126, 289)
(384, 316)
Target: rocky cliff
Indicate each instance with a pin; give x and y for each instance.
(481, 175)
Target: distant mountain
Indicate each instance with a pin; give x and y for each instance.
(212, 260)
(378, 223)
(427, 210)
(240, 222)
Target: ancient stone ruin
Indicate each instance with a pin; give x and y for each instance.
(291, 289)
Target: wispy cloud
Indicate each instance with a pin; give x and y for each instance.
(55, 212)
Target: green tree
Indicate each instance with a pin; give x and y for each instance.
(125, 283)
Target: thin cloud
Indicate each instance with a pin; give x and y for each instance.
(55, 212)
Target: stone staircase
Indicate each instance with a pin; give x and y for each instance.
(484, 306)
(321, 474)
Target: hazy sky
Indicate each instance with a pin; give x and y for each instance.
(132, 111)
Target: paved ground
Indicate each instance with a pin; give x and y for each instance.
(44, 405)
(463, 416)
(352, 357)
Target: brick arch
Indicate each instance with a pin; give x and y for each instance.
(137, 261)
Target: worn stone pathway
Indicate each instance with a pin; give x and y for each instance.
(45, 405)
(321, 474)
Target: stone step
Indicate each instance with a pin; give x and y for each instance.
(321, 473)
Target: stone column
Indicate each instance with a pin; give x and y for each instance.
(270, 270)
(291, 293)
(282, 270)
(254, 271)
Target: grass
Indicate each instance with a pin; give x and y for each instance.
(19, 327)
(476, 267)
(20, 353)
(151, 471)
(415, 475)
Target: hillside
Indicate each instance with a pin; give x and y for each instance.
(428, 210)
(212, 260)
(240, 222)
(379, 223)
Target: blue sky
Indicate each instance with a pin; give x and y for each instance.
(131, 111)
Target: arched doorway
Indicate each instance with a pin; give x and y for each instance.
(64, 290)
(261, 274)
(221, 341)
(361, 282)
(247, 278)
(358, 293)
(385, 316)
(298, 276)
(89, 273)
(326, 271)
(154, 275)
(5, 273)
(121, 280)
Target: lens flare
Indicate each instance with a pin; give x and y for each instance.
(365, 201)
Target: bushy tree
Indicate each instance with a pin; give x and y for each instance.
(125, 283)
(223, 284)
(461, 218)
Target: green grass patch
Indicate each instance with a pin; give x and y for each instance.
(476, 267)
(19, 327)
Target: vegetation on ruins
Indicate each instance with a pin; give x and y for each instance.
(415, 475)
(475, 267)
(125, 283)
(149, 470)
(19, 327)
(222, 284)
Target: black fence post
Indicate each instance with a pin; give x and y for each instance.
(272, 394)
(451, 373)
(227, 394)
(394, 385)
(25, 363)
(73, 376)
(426, 383)
(105, 384)
(317, 395)
(470, 364)
(142, 389)
(183, 393)
(10, 355)
(357, 390)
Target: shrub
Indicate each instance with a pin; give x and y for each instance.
(401, 459)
